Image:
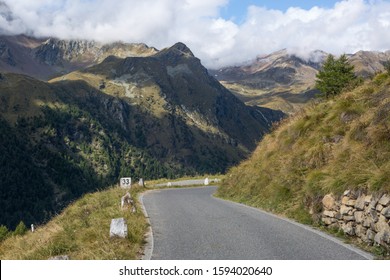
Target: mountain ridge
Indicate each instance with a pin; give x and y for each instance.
(146, 117)
(285, 81)
(45, 58)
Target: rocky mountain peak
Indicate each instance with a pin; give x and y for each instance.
(176, 53)
(182, 48)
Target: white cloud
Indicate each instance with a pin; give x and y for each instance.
(349, 26)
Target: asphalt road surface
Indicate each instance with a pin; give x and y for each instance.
(198, 182)
(190, 224)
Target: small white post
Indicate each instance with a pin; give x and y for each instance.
(206, 182)
(122, 202)
(32, 228)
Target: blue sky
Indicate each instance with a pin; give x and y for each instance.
(236, 9)
(219, 32)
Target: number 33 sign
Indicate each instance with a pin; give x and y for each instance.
(125, 182)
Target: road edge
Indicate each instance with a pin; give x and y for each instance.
(149, 241)
(354, 249)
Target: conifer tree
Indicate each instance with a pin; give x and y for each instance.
(335, 75)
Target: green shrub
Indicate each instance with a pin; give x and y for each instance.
(4, 232)
(20, 229)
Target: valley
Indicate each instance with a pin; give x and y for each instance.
(158, 115)
(77, 115)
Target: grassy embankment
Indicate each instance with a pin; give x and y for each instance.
(81, 231)
(329, 147)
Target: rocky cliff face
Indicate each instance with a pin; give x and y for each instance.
(85, 53)
(47, 58)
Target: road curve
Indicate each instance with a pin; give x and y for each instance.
(191, 224)
(195, 182)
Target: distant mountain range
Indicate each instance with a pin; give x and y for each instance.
(280, 80)
(142, 113)
(286, 81)
(77, 115)
(47, 58)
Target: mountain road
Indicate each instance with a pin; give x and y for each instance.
(192, 224)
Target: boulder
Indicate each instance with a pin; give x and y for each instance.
(347, 193)
(373, 214)
(382, 224)
(348, 218)
(329, 202)
(379, 207)
(373, 202)
(345, 210)
(368, 222)
(360, 202)
(338, 216)
(370, 235)
(382, 238)
(328, 221)
(360, 231)
(367, 199)
(330, 214)
(344, 200)
(386, 212)
(348, 229)
(351, 202)
(359, 215)
(385, 200)
(118, 228)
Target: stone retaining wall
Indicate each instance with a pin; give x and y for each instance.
(364, 216)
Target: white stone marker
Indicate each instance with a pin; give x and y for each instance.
(206, 182)
(32, 228)
(118, 228)
(141, 183)
(127, 200)
(125, 183)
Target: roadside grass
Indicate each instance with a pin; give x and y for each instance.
(151, 183)
(329, 147)
(82, 230)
